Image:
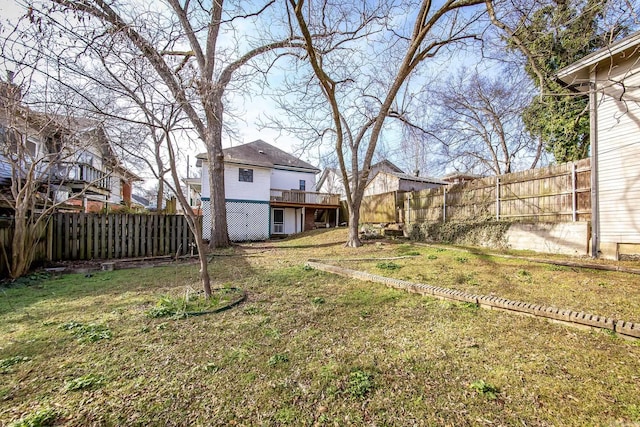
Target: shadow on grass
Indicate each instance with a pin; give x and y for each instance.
(70, 292)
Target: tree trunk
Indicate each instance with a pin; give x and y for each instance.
(22, 246)
(160, 195)
(202, 257)
(219, 232)
(353, 239)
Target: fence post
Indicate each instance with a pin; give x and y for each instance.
(574, 201)
(497, 199)
(444, 205)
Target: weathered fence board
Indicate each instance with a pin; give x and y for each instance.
(80, 236)
(379, 208)
(558, 193)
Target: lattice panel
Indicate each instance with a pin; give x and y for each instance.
(248, 221)
(206, 218)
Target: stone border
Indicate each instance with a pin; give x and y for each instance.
(628, 330)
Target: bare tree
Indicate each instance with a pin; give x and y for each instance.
(39, 154)
(188, 47)
(365, 64)
(478, 122)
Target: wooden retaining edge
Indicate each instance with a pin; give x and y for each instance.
(625, 329)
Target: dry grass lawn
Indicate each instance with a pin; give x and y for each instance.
(309, 348)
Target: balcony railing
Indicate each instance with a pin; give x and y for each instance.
(80, 172)
(304, 197)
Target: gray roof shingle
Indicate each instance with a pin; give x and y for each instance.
(260, 153)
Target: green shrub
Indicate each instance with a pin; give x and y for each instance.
(388, 266)
(87, 333)
(6, 364)
(278, 359)
(485, 389)
(84, 382)
(41, 418)
(360, 383)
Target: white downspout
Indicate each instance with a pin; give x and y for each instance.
(593, 141)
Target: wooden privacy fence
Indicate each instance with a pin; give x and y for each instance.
(79, 236)
(558, 193)
(381, 208)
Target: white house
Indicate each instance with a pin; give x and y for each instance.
(611, 77)
(268, 193)
(387, 181)
(72, 157)
(331, 180)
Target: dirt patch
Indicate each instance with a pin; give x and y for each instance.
(87, 266)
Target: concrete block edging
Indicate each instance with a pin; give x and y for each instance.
(625, 329)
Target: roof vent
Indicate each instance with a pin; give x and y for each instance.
(261, 151)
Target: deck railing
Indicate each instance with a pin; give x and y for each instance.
(304, 197)
(74, 172)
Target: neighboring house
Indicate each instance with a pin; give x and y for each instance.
(74, 163)
(459, 178)
(268, 193)
(330, 180)
(140, 203)
(387, 181)
(194, 193)
(611, 77)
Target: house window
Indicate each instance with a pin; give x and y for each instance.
(303, 185)
(246, 175)
(32, 147)
(85, 158)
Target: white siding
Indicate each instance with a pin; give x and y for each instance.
(240, 190)
(116, 190)
(234, 189)
(293, 220)
(382, 183)
(290, 180)
(333, 184)
(619, 157)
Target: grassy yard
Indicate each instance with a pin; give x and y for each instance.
(309, 348)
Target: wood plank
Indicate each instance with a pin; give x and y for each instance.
(96, 236)
(136, 235)
(58, 236)
(144, 235)
(82, 236)
(88, 224)
(184, 225)
(73, 236)
(157, 234)
(171, 230)
(104, 241)
(111, 233)
(130, 241)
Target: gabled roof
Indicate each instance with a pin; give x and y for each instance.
(259, 153)
(324, 175)
(409, 177)
(579, 71)
(386, 165)
(140, 200)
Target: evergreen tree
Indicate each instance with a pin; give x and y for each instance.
(556, 35)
